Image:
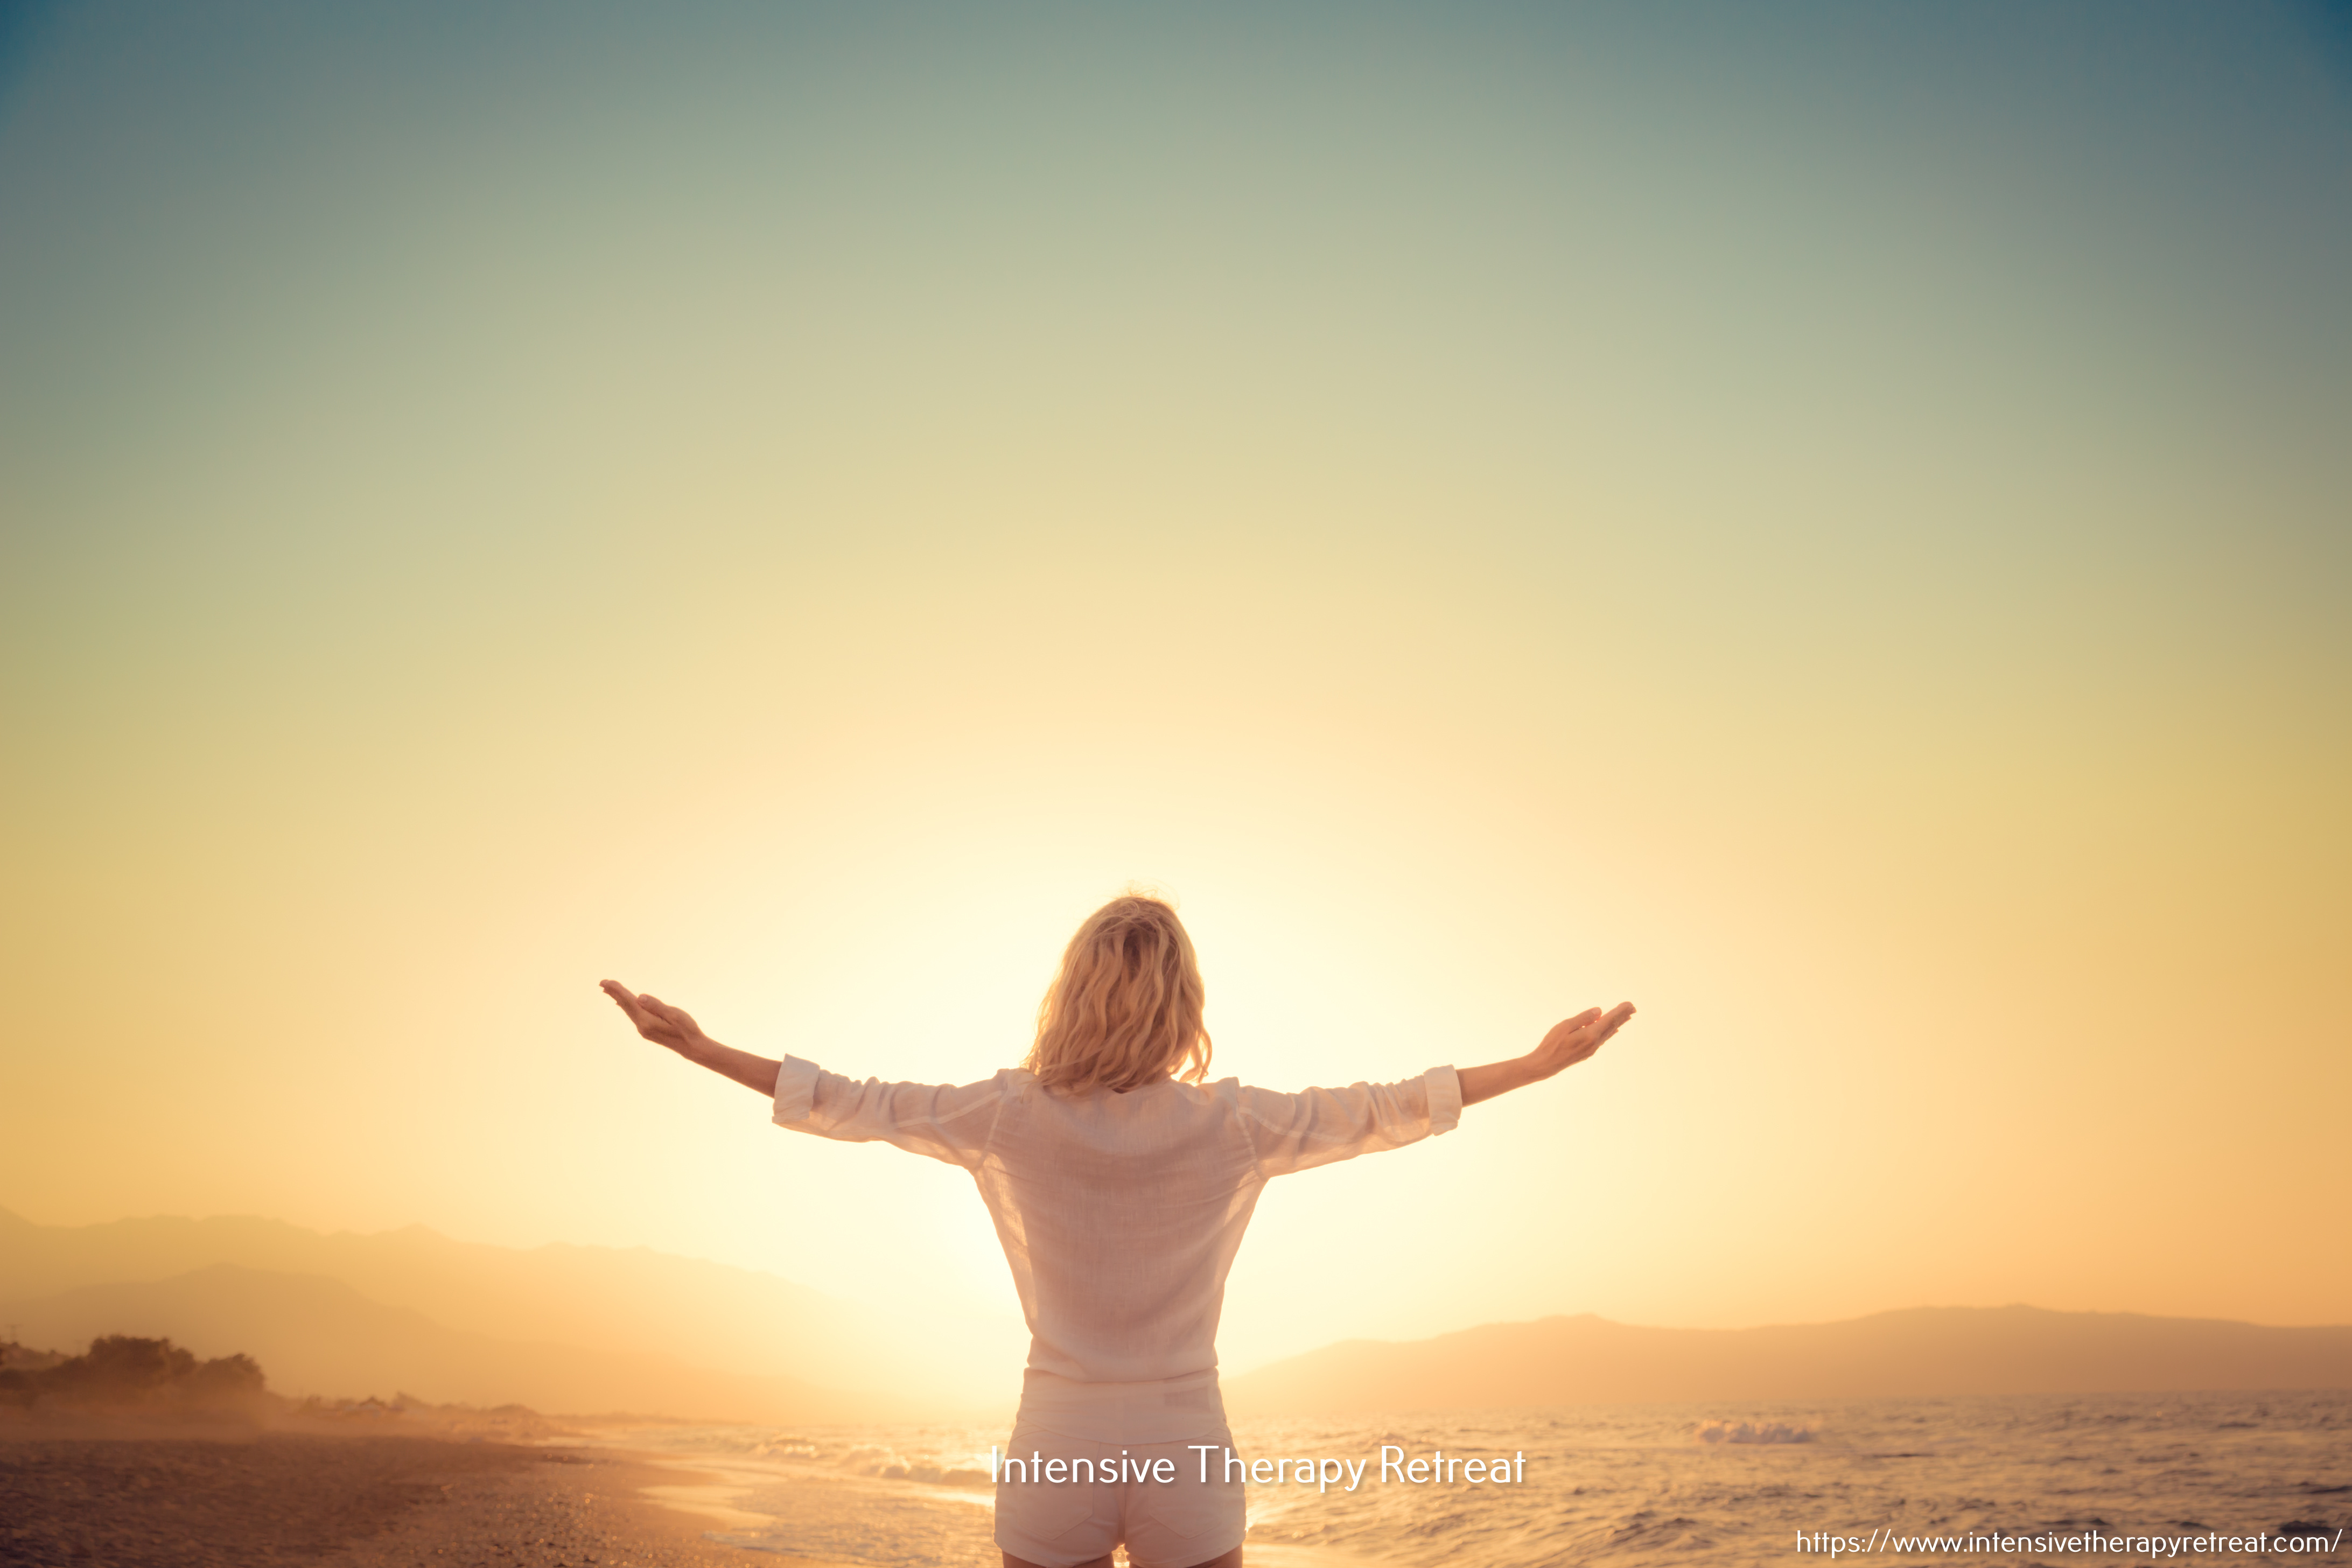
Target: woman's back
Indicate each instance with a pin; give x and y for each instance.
(1120, 1214)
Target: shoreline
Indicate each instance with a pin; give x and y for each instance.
(86, 1489)
(151, 1495)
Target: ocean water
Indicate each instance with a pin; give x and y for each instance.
(1638, 1484)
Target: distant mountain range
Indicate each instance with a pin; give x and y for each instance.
(583, 1329)
(561, 1328)
(316, 1335)
(1924, 1351)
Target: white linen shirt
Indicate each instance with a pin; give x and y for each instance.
(1120, 1214)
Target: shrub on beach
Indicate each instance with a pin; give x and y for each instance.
(122, 1369)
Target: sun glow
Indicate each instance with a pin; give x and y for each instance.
(1518, 512)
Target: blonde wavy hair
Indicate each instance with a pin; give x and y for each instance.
(1125, 1011)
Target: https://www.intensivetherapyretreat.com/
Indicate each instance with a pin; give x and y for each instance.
(1435, 1468)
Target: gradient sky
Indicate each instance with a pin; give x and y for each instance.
(1830, 523)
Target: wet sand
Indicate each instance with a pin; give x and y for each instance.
(266, 1499)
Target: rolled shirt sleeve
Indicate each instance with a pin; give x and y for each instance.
(1322, 1126)
(1445, 1088)
(944, 1121)
(795, 1090)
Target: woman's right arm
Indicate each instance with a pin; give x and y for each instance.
(1320, 1126)
(675, 1027)
(1568, 1043)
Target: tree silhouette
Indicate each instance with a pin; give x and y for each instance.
(123, 1368)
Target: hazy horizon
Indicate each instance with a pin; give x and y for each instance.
(8, 1212)
(578, 1330)
(1829, 524)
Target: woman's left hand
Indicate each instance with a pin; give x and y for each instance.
(656, 1019)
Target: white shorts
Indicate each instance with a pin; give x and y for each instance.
(1113, 1494)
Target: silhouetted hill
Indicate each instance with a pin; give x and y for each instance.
(616, 1301)
(317, 1335)
(1924, 1351)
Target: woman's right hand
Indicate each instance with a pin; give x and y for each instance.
(1572, 1040)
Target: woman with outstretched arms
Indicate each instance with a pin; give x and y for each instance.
(1120, 1183)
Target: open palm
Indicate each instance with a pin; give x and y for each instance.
(1574, 1039)
(656, 1019)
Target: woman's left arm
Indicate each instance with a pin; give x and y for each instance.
(675, 1027)
(939, 1120)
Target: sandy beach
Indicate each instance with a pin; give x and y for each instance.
(75, 1498)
